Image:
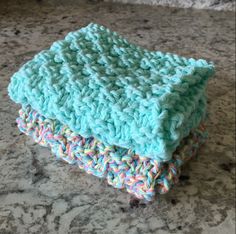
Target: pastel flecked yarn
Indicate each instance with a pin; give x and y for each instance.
(101, 86)
(122, 168)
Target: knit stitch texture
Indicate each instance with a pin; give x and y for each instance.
(100, 85)
(122, 168)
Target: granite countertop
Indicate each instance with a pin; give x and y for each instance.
(41, 195)
(198, 4)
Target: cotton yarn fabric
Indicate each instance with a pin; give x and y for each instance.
(122, 168)
(102, 86)
(114, 109)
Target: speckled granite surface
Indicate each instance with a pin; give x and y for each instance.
(198, 4)
(41, 195)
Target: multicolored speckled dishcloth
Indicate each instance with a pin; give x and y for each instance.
(122, 168)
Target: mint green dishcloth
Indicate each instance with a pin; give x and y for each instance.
(100, 85)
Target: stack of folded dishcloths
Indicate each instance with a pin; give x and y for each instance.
(116, 110)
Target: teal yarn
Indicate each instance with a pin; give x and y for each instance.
(100, 85)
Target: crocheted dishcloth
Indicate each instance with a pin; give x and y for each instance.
(101, 86)
(122, 168)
